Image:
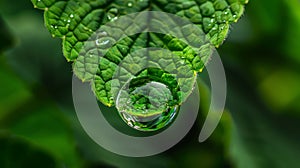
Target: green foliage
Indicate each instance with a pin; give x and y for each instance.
(262, 68)
(42, 125)
(76, 21)
(18, 153)
(5, 34)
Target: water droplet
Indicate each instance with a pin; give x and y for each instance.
(112, 14)
(129, 4)
(148, 106)
(90, 54)
(103, 42)
(69, 21)
(71, 16)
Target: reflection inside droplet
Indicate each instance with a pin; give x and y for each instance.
(147, 107)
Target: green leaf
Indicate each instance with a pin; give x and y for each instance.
(75, 21)
(45, 126)
(18, 153)
(6, 36)
(13, 91)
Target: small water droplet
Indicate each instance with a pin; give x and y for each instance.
(69, 21)
(112, 14)
(102, 42)
(71, 16)
(129, 4)
(90, 54)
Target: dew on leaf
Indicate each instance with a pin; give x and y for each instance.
(112, 14)
(103, 42)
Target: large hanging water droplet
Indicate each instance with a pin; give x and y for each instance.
(148, 107)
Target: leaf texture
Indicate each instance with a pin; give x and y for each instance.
(76, 21)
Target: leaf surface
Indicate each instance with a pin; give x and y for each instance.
(75, 21)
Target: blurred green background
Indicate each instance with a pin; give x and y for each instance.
(260, 127)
